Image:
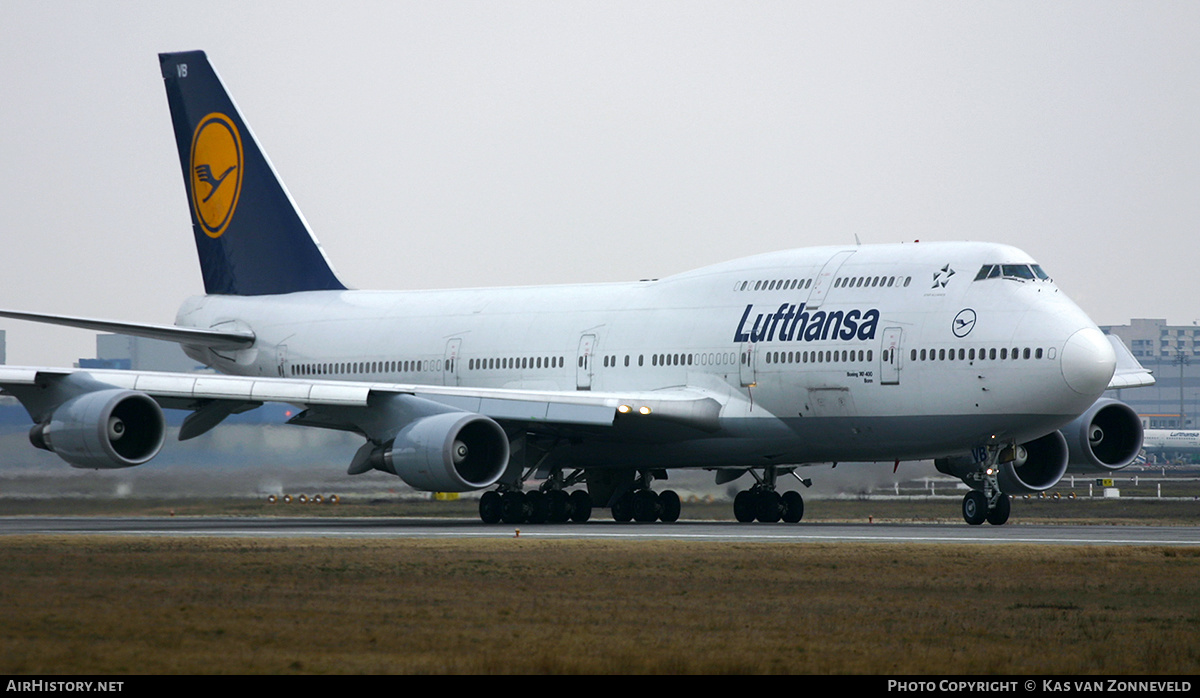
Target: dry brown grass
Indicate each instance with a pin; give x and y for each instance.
(125, 605)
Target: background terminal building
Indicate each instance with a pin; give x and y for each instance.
(1172, 353)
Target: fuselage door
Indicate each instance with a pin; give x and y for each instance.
(825, 278)
(450, 365)
(889, 356)
(583, 362)
(746, 364)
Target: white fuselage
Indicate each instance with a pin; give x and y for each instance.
(854, 353)
(1171, 441)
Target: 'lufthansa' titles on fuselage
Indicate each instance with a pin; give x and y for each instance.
(793, 323)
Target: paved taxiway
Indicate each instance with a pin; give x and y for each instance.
(606, 530)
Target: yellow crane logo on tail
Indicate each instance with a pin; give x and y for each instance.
(216, 169)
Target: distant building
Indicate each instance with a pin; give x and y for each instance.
(1167, 350)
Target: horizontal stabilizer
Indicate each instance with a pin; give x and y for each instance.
(213, 339)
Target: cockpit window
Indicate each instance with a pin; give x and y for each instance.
(1020, 272)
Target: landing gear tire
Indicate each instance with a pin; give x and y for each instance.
(669, 506)
(646, 507)
(975, 508)
(537, 507)
(514, 508)
(770, 506)
(491, 507)
(744, 506)
(793, 507)
(558, 506)
(581, 506)
(998, 515)
(622, 509)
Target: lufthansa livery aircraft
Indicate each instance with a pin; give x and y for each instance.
(1171, 443)
(966, 353)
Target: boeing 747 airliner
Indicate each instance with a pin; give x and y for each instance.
(966, 353)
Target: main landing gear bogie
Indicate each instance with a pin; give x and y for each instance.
(768, 506)
(553, 506)
(647, 506)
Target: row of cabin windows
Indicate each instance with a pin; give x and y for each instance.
(827, 356)
(843, 282)
(872, 281)
(515, 362)
(773, 285)
(700, 359)
(351, 368)
(993, 354)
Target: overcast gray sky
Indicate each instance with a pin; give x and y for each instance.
(447, 144)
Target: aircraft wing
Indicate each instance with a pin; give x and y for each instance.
(1129, 373)
(213, 339)
(76, 404)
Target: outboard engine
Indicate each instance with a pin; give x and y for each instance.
(1106, 437)
(103, 429)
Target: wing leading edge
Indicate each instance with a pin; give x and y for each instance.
(696, 408)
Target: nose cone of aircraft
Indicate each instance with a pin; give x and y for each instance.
(1088, 362)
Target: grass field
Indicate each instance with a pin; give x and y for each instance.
(187, 605)
(114, 605)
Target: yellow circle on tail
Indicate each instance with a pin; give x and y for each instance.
(216, 172)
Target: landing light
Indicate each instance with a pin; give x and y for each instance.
(644, 410)
(624, 409)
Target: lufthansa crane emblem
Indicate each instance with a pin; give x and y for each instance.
(964, 322)
(216, 172)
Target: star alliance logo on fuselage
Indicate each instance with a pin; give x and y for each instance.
(216, 148)
(942, 277)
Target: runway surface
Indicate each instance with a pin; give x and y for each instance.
(601, 530)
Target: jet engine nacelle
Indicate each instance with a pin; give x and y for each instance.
(103, 429)
(1038, 466)
(1035, 466)
(449, 452)
(1106, 437)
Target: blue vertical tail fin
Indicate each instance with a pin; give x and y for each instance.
(249, 234)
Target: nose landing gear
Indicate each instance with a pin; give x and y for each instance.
(989, 503)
